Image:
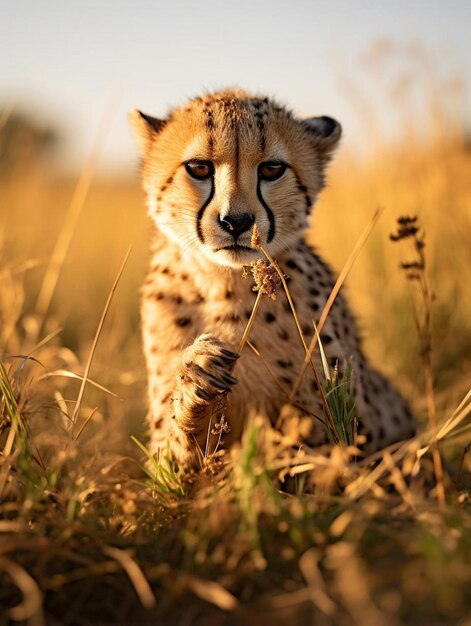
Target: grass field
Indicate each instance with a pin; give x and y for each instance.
(86, 537)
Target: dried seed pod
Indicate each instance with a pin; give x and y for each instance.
(267, 279)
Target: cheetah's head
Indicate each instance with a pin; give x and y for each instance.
(222, 163)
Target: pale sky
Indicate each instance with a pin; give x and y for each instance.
(67, 61)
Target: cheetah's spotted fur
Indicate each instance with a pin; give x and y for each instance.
(210, 170)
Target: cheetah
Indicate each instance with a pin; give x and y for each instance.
(211, 170)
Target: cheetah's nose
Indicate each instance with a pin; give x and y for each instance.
(236, 224)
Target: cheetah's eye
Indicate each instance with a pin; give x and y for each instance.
(201, 170)
(271, 170)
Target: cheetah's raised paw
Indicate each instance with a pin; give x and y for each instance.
(205, 372)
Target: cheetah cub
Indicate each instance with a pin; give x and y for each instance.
(212, 170)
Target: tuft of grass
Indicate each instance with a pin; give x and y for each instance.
(339, 391)
(18, 445)
(163, 477)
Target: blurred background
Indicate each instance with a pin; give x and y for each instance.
(395, 74)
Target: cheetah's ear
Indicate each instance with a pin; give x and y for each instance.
(145, 128)
(325, 131)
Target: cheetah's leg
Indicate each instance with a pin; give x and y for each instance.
(203, 376)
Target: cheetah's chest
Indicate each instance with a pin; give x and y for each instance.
(267, 371)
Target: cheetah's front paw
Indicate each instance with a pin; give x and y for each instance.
(205, 371)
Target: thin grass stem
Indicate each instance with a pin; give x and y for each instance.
(252, 317)
(95, 340)
(284, 391)
(335, 291)
(301, 334)
(64, 239)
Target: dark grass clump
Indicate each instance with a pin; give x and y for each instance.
(340, 394)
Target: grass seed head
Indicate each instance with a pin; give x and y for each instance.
(406, 227)
(255, 241)
(266, 278)
(220, 427)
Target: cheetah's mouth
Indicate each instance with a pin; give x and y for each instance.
(235, 247)
(235, 255)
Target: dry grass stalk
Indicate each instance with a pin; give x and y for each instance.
(269, 369)
(67, 374)
(250, 323)
(284, 391)
(397, 479)
(45, 340)
(83, 426)
(367, 480)
(95, 339)
(458, 415)
(333, 294)
(256, 240)
(407, 229)
(413, 449)
(210, 591)
(61, 247)
(30, 608)
(135, 574)
(57, 581)
(309, 566)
